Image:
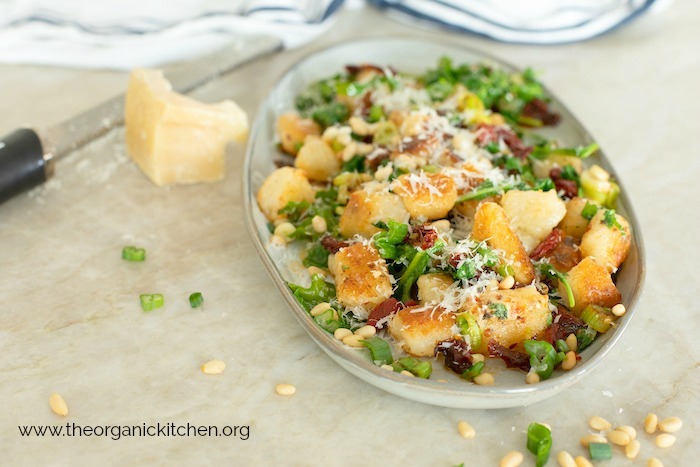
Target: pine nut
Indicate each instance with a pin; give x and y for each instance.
(507, 283)
(565, 459)
(407, 373)
(320, 309)
(285, 389)
(532, 378)
(285, 229)
(387, 367)
(213, 367)
(619, 309)
(632, 449)
(654, 462)
(583, 462)
(670, 424)
(319, 224)
(443, 225)
(342, 333)
(588, 439)
(629, 430)
(569, 362)
(466, 430)
(315, 270)
(485, 379)
(571, 341)
(619, 438)
(512, 459)
(353, 340)
(650, 423)
(665, 440)
(477, 358)
(366, 331)
(599, 423)
(58, 405)
(278, 241)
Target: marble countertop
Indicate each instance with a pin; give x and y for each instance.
(70, 321)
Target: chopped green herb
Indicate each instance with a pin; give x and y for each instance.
(493, 147)
(548, 269)
(589, 210)
(316, 255)
(330, 114)
(132, 253)
(376, 113)
(319, 291)
(569, 173)
(499, 310)
(150, 302)
(356, 164)
(196, 299)
(610, 220)
(585, 337)
(330, 320)
(414, 270)
(466, 270)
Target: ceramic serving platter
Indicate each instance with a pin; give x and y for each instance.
(444, 388)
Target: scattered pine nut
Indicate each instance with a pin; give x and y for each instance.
(599, 423)
(213, 367)
(588, 439)
(466, 430)
(477, 357)
(665, 440)
(315, 270)
(285, 230)
(366, 331)
(512, 459)
(318, 223)
(631, 432)
(583, 462)
(507, 283)
(670, 424)
(485, 379)
(387, 367)
(619, 438)
(654, 462)
(353, 340)
(619, 309)
(632, 449)
(572, 341)
(650, 423)
(570, 361)
(342, 333)
(58, 405)
(278, 240)
(285, 389)
(532, 378)
(407, 373)
(320, 309)
(565, 459)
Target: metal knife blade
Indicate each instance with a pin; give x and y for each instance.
(27, 156)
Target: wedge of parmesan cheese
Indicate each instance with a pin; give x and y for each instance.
(175, 139)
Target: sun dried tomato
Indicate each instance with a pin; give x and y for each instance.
(539, 110)
(332, 244)
(547, 245)
(512, 358)
(387, 308)
(458, 356)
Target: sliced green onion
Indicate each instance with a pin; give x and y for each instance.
(380, 350)
(150, 302)
(543, 357)
(132, 253)
(600, 451)
(589, 210)
(319, 291)
(562, 346)
(469, 328)
(597, 317)
(196, 299)
(499, 310)
(539, 442)
(329, 320)
(546, 268)
(419, 368)
(414, 270)
(585, 337)
(473, 371)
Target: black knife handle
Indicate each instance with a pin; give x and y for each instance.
(22, 163)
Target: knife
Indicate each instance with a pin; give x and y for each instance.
(28, 156)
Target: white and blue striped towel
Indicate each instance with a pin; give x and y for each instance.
(122, 34)
(521, 21)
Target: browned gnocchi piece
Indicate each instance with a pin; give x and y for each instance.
(432, 287)
(420, 329)
(364, 209)
(426, 195)
(591, 284)
(573, 223)
(532, 214)
(361, 276)
(318, 161)
(510, 317)
(491, 225)
(607, 244)
(282, 186)
(293, 130)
